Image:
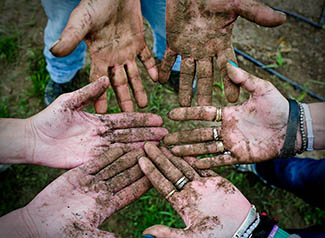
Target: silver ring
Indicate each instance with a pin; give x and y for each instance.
(215, 134)
(181, 183)
(227, 152)
(139, 157)
(170, 194)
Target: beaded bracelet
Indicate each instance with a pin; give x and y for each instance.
(302, 128)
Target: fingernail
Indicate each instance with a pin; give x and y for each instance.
(54, 44)
(233, 63)
(148, 236)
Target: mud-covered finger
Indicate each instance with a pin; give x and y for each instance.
(187, 74)
(122, 163)
(149, 63)
(162, 162)
(204, 69)
(119, 82)
(202, 172)
(138, 134)
(198, 149)
(157, 179)
(232, 90)
(212, 162)
(206, 113)
(181, 164)
(98, 163)
(191, 136)
(132, 146)
(124, 179)
(167, 65)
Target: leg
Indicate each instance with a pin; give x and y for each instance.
(61, 70)
(154, 12)
(303, 177)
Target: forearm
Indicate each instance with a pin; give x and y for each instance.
(317, 112)
(12, 141)
(15, 224)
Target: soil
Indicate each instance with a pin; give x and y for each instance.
(302, 47)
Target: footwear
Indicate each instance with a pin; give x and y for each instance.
(251, 168)
(54, 90)
(3, 167)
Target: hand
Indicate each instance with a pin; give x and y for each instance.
(200, 30)
(77, 202)
(253, 131)
(64, 136)
(209, 206)
(113, 32)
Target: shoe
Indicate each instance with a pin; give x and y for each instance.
(252, 169)
(54, 90)
(3, 167)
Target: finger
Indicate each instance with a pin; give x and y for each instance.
(259, 13)
(181, 164)
(197, 149)
(138, 134)
(202, 172)
(130, 120)
(190, 136)
(132, 146)
(220, 160)
(85, 95)
(187, 74)
(119, 83)
(255, 86)
(161, 231)
(161, 161)
(231, 89)
(131, 193)
(76, 29)
(101, 161)
(207, 113)
(163, 185)
(124, 179)
(204, 81)
(122, 163)
(140, 94)
(167, 65)
(101, 104)
(149, 63)
(99, 234)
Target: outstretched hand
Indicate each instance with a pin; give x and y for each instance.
(253, 131)
(209, 206)
(77, 202)
(113, 32)
(69, 136)
(200, 30)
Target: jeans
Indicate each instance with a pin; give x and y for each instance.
(303, 177)
(63, 69)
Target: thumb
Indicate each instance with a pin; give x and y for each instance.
(87, 94)
(76, 29)
(160, 231)
(259, 13)
(101, 234)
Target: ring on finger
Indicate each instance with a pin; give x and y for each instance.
(219, 114)
(227, 152)
(170, 194)
(220, 147)
(139, 157)
(215, 134)
(181, 183)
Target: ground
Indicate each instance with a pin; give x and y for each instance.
(295, 49)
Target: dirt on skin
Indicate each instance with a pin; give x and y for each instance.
(301, 45)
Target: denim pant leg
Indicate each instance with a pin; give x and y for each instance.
(303, 177)
(155, 12)
(63, 69)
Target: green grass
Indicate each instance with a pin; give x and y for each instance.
(8, 48)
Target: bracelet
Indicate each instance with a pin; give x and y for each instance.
(289, 146)
(248, 226)
(309, 123)
(302, 129)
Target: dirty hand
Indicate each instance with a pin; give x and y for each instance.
(64, 136)
(253, 131)
(200, 30)
(77, 202)
(209, 206)
(113, 32)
